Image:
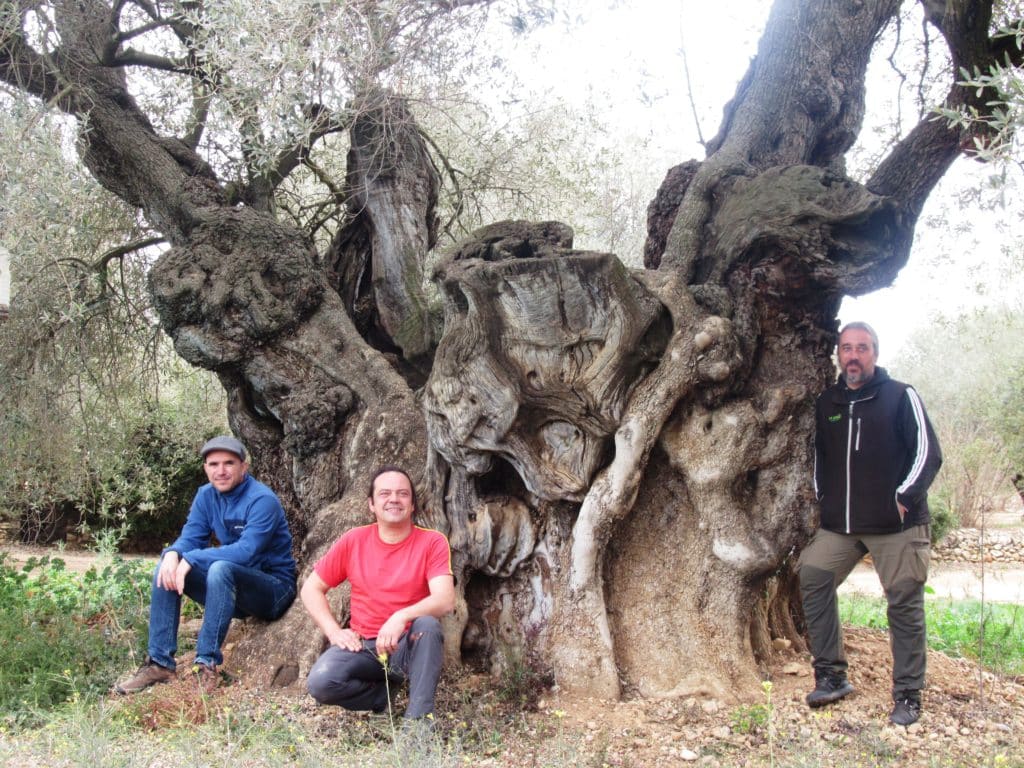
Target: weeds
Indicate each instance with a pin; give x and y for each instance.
(955, 627)
(749, 719)
(65, 635)
(484, 721)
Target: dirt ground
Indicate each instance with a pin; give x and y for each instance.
(970, 718)
(75, 560)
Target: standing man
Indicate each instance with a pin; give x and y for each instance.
(401, 583)
(876, 455)
(250, 573)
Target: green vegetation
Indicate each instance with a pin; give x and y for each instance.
(66, 636)
(750, 718)
(990, 632)
(976, 407)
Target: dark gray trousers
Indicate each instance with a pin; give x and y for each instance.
(355, 679)
(901, 562)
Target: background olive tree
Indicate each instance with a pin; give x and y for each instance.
(969, 372)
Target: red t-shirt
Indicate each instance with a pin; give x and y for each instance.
(384, 577)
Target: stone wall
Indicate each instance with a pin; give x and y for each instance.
(966, 545)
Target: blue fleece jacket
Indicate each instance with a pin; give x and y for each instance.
(249, 524)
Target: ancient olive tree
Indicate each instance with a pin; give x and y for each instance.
(620, 458)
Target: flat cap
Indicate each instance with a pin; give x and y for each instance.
(224, 443)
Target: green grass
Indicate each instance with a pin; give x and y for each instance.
(65, 634)
(992, 633)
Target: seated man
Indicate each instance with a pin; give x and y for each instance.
(401, 583)
(251, 573)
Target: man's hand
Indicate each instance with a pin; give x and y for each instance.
(903, 511)
(348, 639)
(165, 578)
(390, 632)
(184, 566)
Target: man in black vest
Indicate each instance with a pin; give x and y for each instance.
(875, 456)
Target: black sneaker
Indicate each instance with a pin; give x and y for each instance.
(906, 711)
(828, 688)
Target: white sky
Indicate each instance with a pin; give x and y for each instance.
(627, 54)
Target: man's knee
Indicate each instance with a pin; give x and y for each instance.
(814, 579)
(220, 574)
(426, 626)
(905, 598)
(324, 678)
(320, 685)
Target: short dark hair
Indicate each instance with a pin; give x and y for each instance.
(857, 325)
(399, 470)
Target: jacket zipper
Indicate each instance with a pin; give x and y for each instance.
(849, 461)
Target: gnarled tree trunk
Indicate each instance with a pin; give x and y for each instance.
(621, 459)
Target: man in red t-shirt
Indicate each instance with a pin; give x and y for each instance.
(401, 580)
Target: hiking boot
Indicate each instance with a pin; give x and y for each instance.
(906, 711)
(828, 688)
(150, 673)
(207, 677)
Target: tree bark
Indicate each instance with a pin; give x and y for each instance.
(621, 459)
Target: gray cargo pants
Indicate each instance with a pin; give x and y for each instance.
(355, 679)
(901, 562)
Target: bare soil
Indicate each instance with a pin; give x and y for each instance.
(970, 717)
(75, 560)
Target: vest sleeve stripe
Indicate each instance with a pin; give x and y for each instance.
(921, 453)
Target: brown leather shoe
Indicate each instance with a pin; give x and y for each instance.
(150, 673)
(206, 676)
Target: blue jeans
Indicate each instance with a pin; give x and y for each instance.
(228, 591)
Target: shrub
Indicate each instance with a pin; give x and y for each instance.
(138, 478)
(65, 634)
(944, 518)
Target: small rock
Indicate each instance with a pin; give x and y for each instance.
(781, 643)
(722, 732)
(592, 725)
(914, 729)
(794, 668)
(687, 754)
(711, 706)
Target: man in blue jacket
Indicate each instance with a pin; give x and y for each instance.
(249, 572)
(876, 454)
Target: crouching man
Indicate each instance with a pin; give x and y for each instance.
(401, 583)
(250, 573)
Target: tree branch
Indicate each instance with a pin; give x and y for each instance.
(916, 164)
(131, 57)
(24, 68)
(324, 122)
